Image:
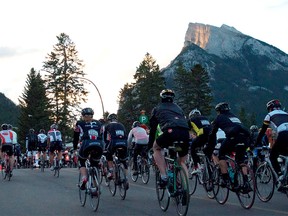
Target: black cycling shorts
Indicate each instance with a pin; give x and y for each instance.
(118, 146)
(8, 148)
(171, 135)
(55, 145)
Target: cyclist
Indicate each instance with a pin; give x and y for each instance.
(174, 127)
(115, 137)
(140, 138)
(42, 144)
(54, 142)
(88, 132)
(6, 138)
(201, 127)
(31, 145)
(236, 135)
(16, 146)
(277, 119)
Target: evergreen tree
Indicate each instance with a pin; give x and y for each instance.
(192, 89)
(66, 92)
(34, 106)
(243, 117)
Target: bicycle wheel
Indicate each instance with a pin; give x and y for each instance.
(112, 182)
(145, 172)
(182, 196)
(122, 182)
(221, 194)
(193, 181)
(162, 193)
(82, 193)
(94, 186)
(133, 177)
(42, 163)
(246, 192)
(265, 182)
(105, 172)
(208, 180)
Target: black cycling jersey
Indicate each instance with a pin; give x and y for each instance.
(200, 125)
(114, 130)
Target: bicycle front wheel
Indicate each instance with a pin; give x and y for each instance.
(265, 182)
(246, 191)
(122, 182)
(82, 193)
(162, 193)
(94, 189)
(182, 196)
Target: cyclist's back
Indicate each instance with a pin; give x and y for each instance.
(54, 142)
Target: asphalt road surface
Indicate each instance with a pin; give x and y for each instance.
(31, 192)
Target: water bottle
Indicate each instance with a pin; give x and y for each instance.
(231, 173)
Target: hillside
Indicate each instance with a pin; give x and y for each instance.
(9, 112)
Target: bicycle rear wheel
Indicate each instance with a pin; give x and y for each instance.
(265, 182)
(162, 193)
(112, 182)
(246, 192)
(208, 180)
(221, 193)
(122, 184)
(82, 193)
(182, 196)
(42, 163)
(95, 189)
(132, 168)
(145, 172)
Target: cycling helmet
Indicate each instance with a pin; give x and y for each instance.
(87, 111)
(54, 126)
(31, 130)
(10, 127)
(254, 128)
(167, 94)
(112, 116)
(194, 112)
(4, 126)
(222, 107)
(136, 124)
(273, 104)
(42, 131)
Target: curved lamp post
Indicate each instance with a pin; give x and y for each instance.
(96, 89)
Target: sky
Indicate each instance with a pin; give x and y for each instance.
(113, 36)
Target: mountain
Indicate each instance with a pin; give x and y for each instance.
(244, 71)
(9, 111)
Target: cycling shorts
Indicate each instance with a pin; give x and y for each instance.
(94, 148)
(55, 145)
(171, 135)
(8, 148)
(118, 146)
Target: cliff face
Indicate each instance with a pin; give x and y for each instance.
(243, 70)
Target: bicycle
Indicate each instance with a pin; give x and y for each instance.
(42, 161)
(103, 169)
(204, 177)
(56, 164)
(245, 191)
(92, 188)
(120, 178)
(6, 169)
(143, 168)
(266, 177)
(177, 187)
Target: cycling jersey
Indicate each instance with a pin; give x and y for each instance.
(200, 125)
(139, 134)
(6, 138)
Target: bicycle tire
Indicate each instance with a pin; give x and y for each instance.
(163, 195)
(94, 183)
(133, 177)
(82, 193)
(145, 172)
(112, 182)
(221, 194)
(246, 197)
(182, 197)
(265, 182)
(122, 183)
(42, 163)
(208, 180)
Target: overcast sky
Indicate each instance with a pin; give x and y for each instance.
(112, 37)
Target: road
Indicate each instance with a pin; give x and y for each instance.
(31, 192)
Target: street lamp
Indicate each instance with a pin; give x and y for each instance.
(96, 89)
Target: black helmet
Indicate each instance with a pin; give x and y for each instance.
(4, 126)
(42, 131)
(167, 95)
(194, 112)
(87, 111)
(136, 124)
(10, 127)
(222, 107)
(112, 116)
(31, 130)
(54, 126)
(254, 128)
(273, 104)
